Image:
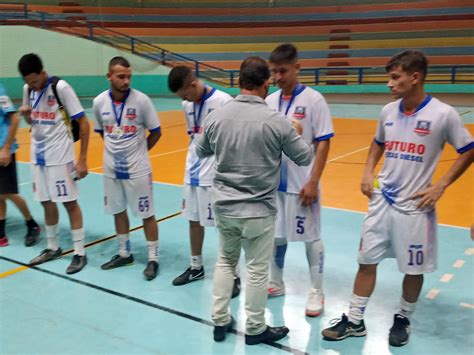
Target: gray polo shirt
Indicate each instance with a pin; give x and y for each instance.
(248, 139)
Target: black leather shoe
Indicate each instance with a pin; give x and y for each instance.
(270, 335)
(219, 331)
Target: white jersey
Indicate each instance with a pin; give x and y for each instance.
(123, 126)
(413, 144)
(51, 138)
(311, 109)
(200, 172)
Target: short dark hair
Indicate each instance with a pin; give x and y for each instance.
(179, 76)
(254, 71)
(411, 61)
(118, 61)
(30, 64)
(284, 53)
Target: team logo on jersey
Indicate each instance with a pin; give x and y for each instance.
(388, 124)
(300, 112)
(131, 113)
(210, 110)
(422, 128)
(51, 100)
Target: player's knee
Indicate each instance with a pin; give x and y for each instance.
(71, 206)
(367, 269)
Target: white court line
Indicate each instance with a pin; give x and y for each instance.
(458, 264)
(469, 251)
(467, 305)
(432, 293)
(25, 183)
(446, 277)
(345, 155)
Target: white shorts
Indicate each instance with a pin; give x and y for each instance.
(136, 193)
(295, 222)
(389, 233)
(54, 183)
(197, 206)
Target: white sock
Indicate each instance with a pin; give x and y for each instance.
(124, 245)
(406, 308)
(357, 308)
(153, 251)
(196, 262)
(315, 256)
(278, 262)
(78, 239)
(52, 237)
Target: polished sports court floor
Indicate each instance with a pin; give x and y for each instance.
(45, 311)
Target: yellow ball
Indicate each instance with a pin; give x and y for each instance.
(376, 184)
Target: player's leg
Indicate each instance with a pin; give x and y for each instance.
(79, 259)
(33, 229)
(191, 212)
(374, 247)
(139, 195)
(3, 214)
(115, 203)
(415, 244)
(282, 228)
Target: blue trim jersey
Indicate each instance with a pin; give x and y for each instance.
(310, 108)
(200, 172)
(6, 107)
(126, 151)
(51, 137)
(413, 144)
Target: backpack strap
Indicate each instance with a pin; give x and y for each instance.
(54, 84)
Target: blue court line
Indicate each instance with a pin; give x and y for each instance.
(146, 303)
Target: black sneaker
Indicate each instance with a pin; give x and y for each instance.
(77, 264)
(219, 331)
(32, 236)
(236, 289)
(47, 255)
(151, 270)
(400, 331)
(343, 329)
(270, 335)
(117, 261)
(188, 276)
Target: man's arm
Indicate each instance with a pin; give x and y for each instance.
(293, 145)
(309, 192)
(429, 196)
(81, 165)
(153, 138)
(375, 153)
(5, 152)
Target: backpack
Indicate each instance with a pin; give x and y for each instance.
(72, 124)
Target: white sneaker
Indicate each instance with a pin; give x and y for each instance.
(315, 304)
(276, 290)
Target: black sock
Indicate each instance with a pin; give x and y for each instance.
(2, 227)
(31, 224)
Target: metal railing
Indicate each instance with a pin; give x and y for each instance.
(16, 14)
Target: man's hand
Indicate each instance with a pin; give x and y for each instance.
(297, 126)
(367, 184)
(25, 110)
(429, 196)
(5, 156)
(81, 169)
(309, 194)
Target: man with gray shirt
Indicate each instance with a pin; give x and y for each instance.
(248, 140)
